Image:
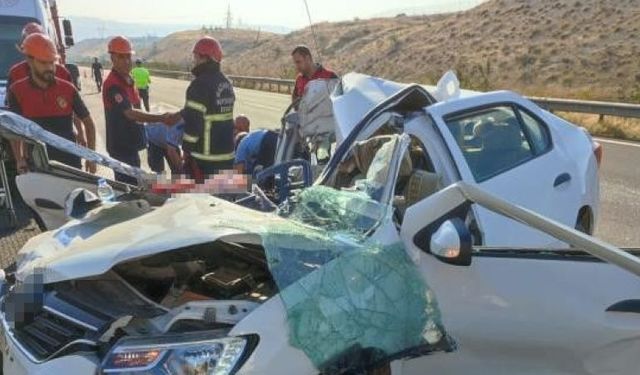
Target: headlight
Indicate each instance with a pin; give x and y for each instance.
(185, 354)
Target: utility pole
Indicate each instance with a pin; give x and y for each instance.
(229, 18)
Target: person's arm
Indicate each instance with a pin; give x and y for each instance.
(81, 112)
(121, 103)
(80, 134)
(17, 146)
(141, 116)
(193, 114)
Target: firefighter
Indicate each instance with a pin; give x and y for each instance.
(208, 114)
(49, 101)
(308, 70)
(21, 70)
(123, 117)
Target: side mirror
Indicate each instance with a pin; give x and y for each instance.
(68, 33)
(79, 202)
(452, 244)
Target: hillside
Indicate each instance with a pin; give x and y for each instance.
(574, 48)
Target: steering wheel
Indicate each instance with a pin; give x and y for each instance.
(276, 180)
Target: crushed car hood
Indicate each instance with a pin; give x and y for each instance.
(129, 230)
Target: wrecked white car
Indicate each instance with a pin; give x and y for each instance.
(356, 274)
(501, 141)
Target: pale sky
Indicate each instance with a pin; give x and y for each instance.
(287, 13)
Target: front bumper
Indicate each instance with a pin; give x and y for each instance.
(15, 361)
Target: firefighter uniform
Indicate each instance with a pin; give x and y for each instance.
(125, 137)
(208, 114)
(51, 108)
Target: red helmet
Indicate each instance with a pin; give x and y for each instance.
(120, 45)
(31, 28)
(40, 46)
(210, 47)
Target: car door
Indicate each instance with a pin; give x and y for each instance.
(531, 312)
(47, 184)
(499, 142)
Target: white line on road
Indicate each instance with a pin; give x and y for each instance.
(621, 143)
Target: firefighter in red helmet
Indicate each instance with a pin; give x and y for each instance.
(208, 140)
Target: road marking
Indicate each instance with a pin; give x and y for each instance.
(621, 143)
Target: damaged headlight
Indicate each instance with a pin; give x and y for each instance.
(184, 354)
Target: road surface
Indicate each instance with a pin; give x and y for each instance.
(620, 173)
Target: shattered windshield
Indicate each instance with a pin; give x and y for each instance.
(359, 196)
(351, 302)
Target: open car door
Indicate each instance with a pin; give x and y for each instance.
(523, 311)
(48, 183)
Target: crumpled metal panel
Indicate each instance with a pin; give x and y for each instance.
(29, 130)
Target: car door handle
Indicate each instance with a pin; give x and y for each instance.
(45, 203)
(626, 306)
(563, 178)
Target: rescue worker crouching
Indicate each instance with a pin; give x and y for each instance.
(125, 132)
(208, 140)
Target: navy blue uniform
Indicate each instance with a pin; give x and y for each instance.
(125, 137)
(208, 114)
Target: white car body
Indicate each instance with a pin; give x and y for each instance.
(561, 183)
(511, 310)
(535, 312)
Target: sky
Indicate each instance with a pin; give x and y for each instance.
(290, 14)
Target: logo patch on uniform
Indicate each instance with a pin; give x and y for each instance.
(62, 102)
(118, 98)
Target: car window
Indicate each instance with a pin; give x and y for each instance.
(492, 140)
(537, 132)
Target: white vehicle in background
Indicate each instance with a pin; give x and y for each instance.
(14, 14)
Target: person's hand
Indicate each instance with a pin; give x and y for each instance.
(171, 119)
(22, 166)
(81, 139)
(90, 166)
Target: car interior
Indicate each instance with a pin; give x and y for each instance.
(491, 141)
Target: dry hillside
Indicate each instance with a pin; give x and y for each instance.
(571, 48)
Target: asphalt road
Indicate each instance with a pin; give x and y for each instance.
(619, 221)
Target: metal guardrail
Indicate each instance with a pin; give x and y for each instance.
(552, 104)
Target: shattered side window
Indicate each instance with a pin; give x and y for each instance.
(349, 303)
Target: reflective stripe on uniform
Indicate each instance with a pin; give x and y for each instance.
(209, 120)
(217, 157)
(197, 106)
(219, 117)
(190, 138)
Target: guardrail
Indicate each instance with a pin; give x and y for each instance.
(551, 104)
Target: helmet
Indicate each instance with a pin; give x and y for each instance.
(31, 28)
(120, 45)
(40, 46)
(210, 47)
